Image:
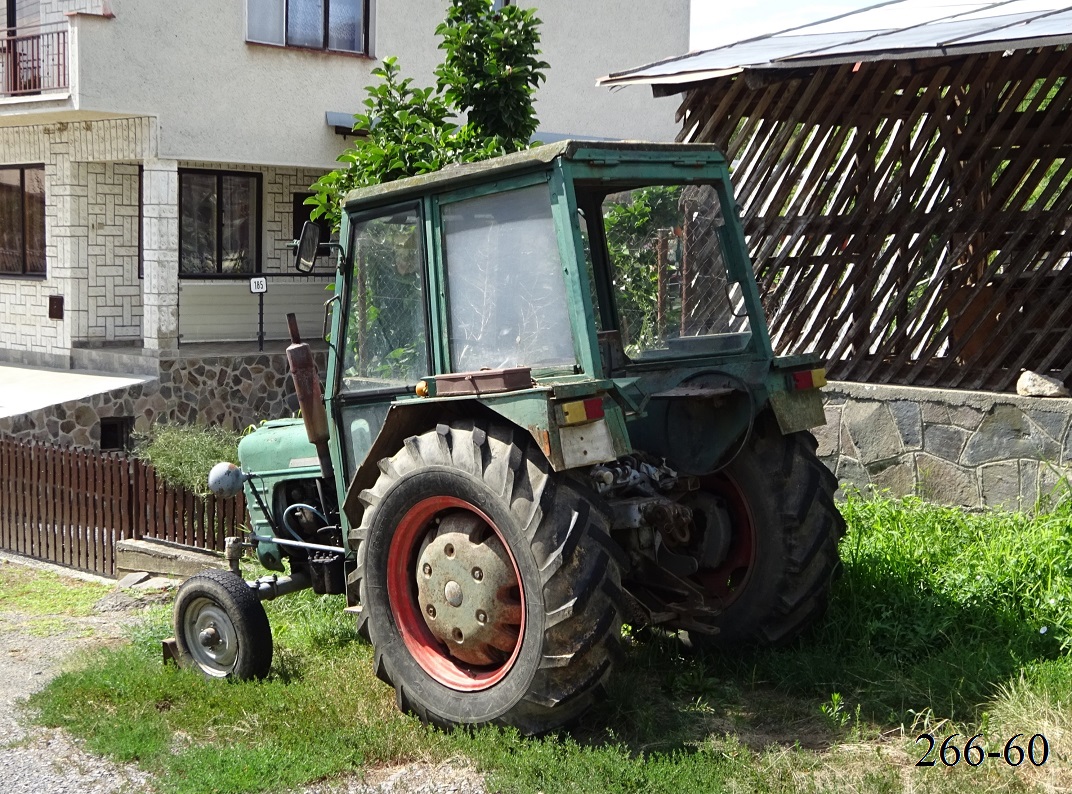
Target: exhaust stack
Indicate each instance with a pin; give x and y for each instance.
(310, 397)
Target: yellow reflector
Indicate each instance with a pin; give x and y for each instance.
(574, 413)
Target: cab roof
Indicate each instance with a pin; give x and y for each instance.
(534, 159)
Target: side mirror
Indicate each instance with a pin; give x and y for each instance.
(308, 244)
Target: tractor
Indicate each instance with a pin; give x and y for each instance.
(551, 407)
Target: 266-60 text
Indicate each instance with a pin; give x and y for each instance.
(1035, 750)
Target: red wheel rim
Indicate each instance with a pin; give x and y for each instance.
(728, 580)
(426, 649)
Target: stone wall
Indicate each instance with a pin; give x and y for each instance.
(950, 447)
(229, 391)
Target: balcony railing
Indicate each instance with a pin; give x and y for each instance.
(33, 61)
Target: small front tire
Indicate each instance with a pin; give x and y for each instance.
(221, 628)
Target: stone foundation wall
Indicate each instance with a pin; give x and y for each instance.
(229, 391)
(951, 447)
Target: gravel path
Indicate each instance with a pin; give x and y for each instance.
(35, 760)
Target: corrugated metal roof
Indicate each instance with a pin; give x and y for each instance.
(889, 31)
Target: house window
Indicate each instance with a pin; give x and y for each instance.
(497, 4)
(219, 223)
(302, 213)
(340, 25)
(22, 220)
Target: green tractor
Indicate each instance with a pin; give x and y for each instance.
(551, 407)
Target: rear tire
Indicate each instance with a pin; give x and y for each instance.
(784, 551)
(221, 628)
(470, 496)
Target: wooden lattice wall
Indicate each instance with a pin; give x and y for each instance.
(909, 220)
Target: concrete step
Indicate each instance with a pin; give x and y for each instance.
(163, 558)
(127, 360)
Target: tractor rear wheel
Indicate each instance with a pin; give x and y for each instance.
(221, 628)
(774, 581)
(489, 585)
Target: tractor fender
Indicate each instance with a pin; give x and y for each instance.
(412, 417)
(532, 411)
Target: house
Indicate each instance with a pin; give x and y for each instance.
(152, 162)
(904, 175)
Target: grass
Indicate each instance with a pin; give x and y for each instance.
(183, 454)
(942, 622)
(44, 602)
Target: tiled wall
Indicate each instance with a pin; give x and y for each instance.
(114, 289)
(95, 238)
(90, 232)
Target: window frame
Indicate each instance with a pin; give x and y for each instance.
(24, 273)
(258, 224)
(364, 43)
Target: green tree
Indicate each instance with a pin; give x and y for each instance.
(490, 70)
(490, 73)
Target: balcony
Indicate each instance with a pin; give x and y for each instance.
(34, 61)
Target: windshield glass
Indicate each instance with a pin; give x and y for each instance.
(505, 283)
(668, 272)
(385, 327)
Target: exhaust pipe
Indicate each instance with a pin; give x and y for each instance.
(310, 397)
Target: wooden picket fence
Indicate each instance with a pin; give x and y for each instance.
(70, 506)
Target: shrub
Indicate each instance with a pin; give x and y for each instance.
(183, 454)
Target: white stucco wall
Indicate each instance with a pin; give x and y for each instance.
(585, 40)
(219, 98)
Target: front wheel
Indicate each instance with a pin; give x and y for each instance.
(221, 628)
(774, 580)
(489, 584)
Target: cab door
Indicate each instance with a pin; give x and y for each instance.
(383, 348)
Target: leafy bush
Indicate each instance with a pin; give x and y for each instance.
(183, 454)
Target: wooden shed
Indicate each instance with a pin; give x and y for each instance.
(905, 174)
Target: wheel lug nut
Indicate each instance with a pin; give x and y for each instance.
(481, 616)
(430, 610)
(427, 569)
(478, 574)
